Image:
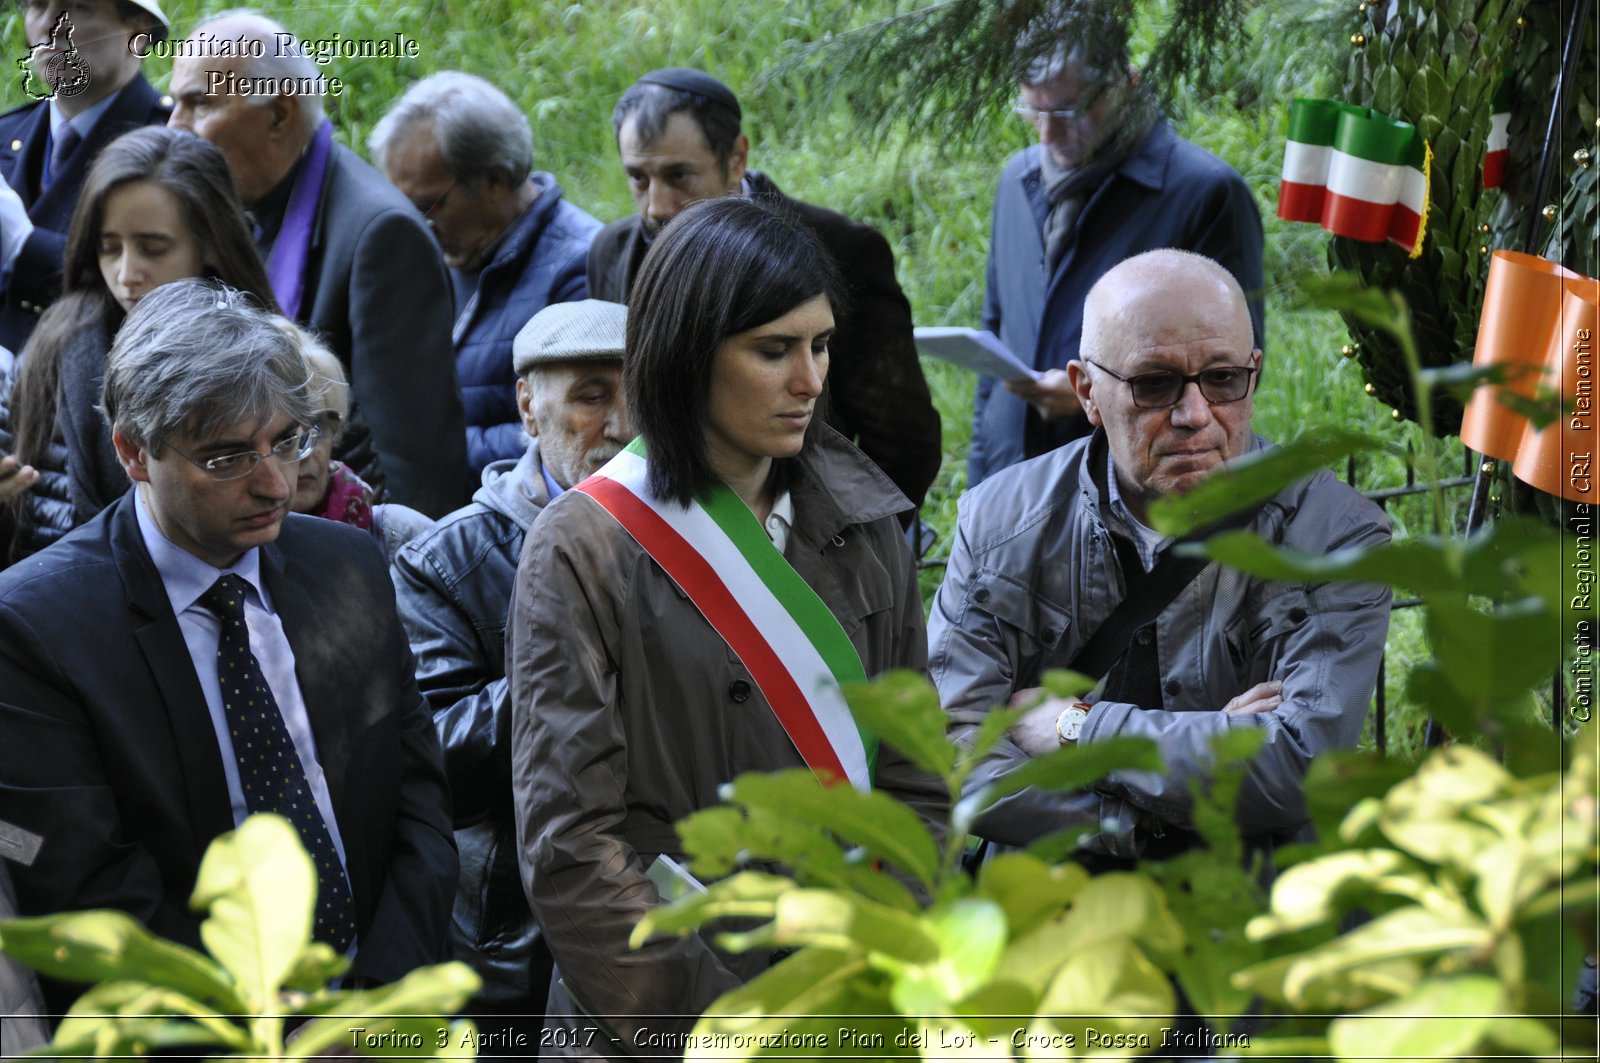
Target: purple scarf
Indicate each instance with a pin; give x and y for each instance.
(287, 270)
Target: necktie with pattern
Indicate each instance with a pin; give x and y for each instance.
(269, 766)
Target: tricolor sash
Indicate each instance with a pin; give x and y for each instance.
(719, 555)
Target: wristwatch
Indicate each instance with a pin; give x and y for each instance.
(1070, 723)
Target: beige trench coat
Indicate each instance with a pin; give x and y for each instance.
(629, 711)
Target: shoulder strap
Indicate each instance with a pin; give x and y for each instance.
(1147, 594)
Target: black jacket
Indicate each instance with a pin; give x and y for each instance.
(453, 585)
(111, 755)
(877, 396)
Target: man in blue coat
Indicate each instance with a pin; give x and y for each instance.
(462, 152)
(89, 66)
(1108, 180)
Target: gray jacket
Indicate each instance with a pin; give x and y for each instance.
(1033, 573)
(453, 584)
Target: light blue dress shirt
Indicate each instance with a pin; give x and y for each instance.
(186, 578)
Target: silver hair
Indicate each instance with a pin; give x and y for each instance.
(283, 58)
(480, 131)
(198, 357)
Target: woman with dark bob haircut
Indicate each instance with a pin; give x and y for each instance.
(687, 614)
(159, 205)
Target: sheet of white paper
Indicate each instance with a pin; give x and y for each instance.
(974, 349)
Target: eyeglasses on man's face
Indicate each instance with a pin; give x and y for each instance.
(287, 451)
(427, 215)
(1218, 385)
(1036, 117)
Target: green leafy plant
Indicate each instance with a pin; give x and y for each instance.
(1482, 889)
(258, 886)
(914, 956)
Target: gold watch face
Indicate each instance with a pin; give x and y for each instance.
(1070, 724)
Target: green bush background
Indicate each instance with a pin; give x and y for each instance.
(566, 63)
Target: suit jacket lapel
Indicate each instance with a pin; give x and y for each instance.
(129, 109)
(156, 628)
(305, 625)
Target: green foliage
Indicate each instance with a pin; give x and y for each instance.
(1483, 885)
(1434, 64)
(1022, 938)
(258, 886)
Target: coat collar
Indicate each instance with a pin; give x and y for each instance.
(530, 225)
(839, 486)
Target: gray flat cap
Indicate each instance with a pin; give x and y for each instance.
(591, 330)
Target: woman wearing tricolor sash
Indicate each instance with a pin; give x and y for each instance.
(687, 614)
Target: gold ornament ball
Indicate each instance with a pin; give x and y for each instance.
(1358, 39)
(1394, 415)
(1484, 228)
(1494, 500)
(1581, 157)
(1549, 212)
(1483, 249)
(1370, 388)
(1361, 8)
(1487, 468)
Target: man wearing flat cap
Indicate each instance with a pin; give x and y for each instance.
(678, 134)
(454, 585)
(89, 66)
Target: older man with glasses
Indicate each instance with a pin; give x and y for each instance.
(1108, 179)
(1055, 566)
(197, 654)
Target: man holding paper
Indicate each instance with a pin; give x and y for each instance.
(1108, 179)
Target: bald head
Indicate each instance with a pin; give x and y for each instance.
(1136, 294)
(1171, 328)
(260, 133)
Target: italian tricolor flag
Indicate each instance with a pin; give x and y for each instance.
(1494, 159)
(1355, 172)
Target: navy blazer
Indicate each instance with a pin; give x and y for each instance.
(24, 135)
(1166, 193)
(107, 748)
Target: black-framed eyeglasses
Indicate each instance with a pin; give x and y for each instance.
(1219, 385)
(427, 215)
(287, 451)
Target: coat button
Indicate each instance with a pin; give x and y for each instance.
(1173, 686)
(16, 145)
(739, 690)
(1297, 615)
(981, 594)
(1048, 634)
(25, 304)
(166, 101)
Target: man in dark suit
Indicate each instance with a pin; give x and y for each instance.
(127, 648)
(678, 135)
(346, 253)
(46, 146)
